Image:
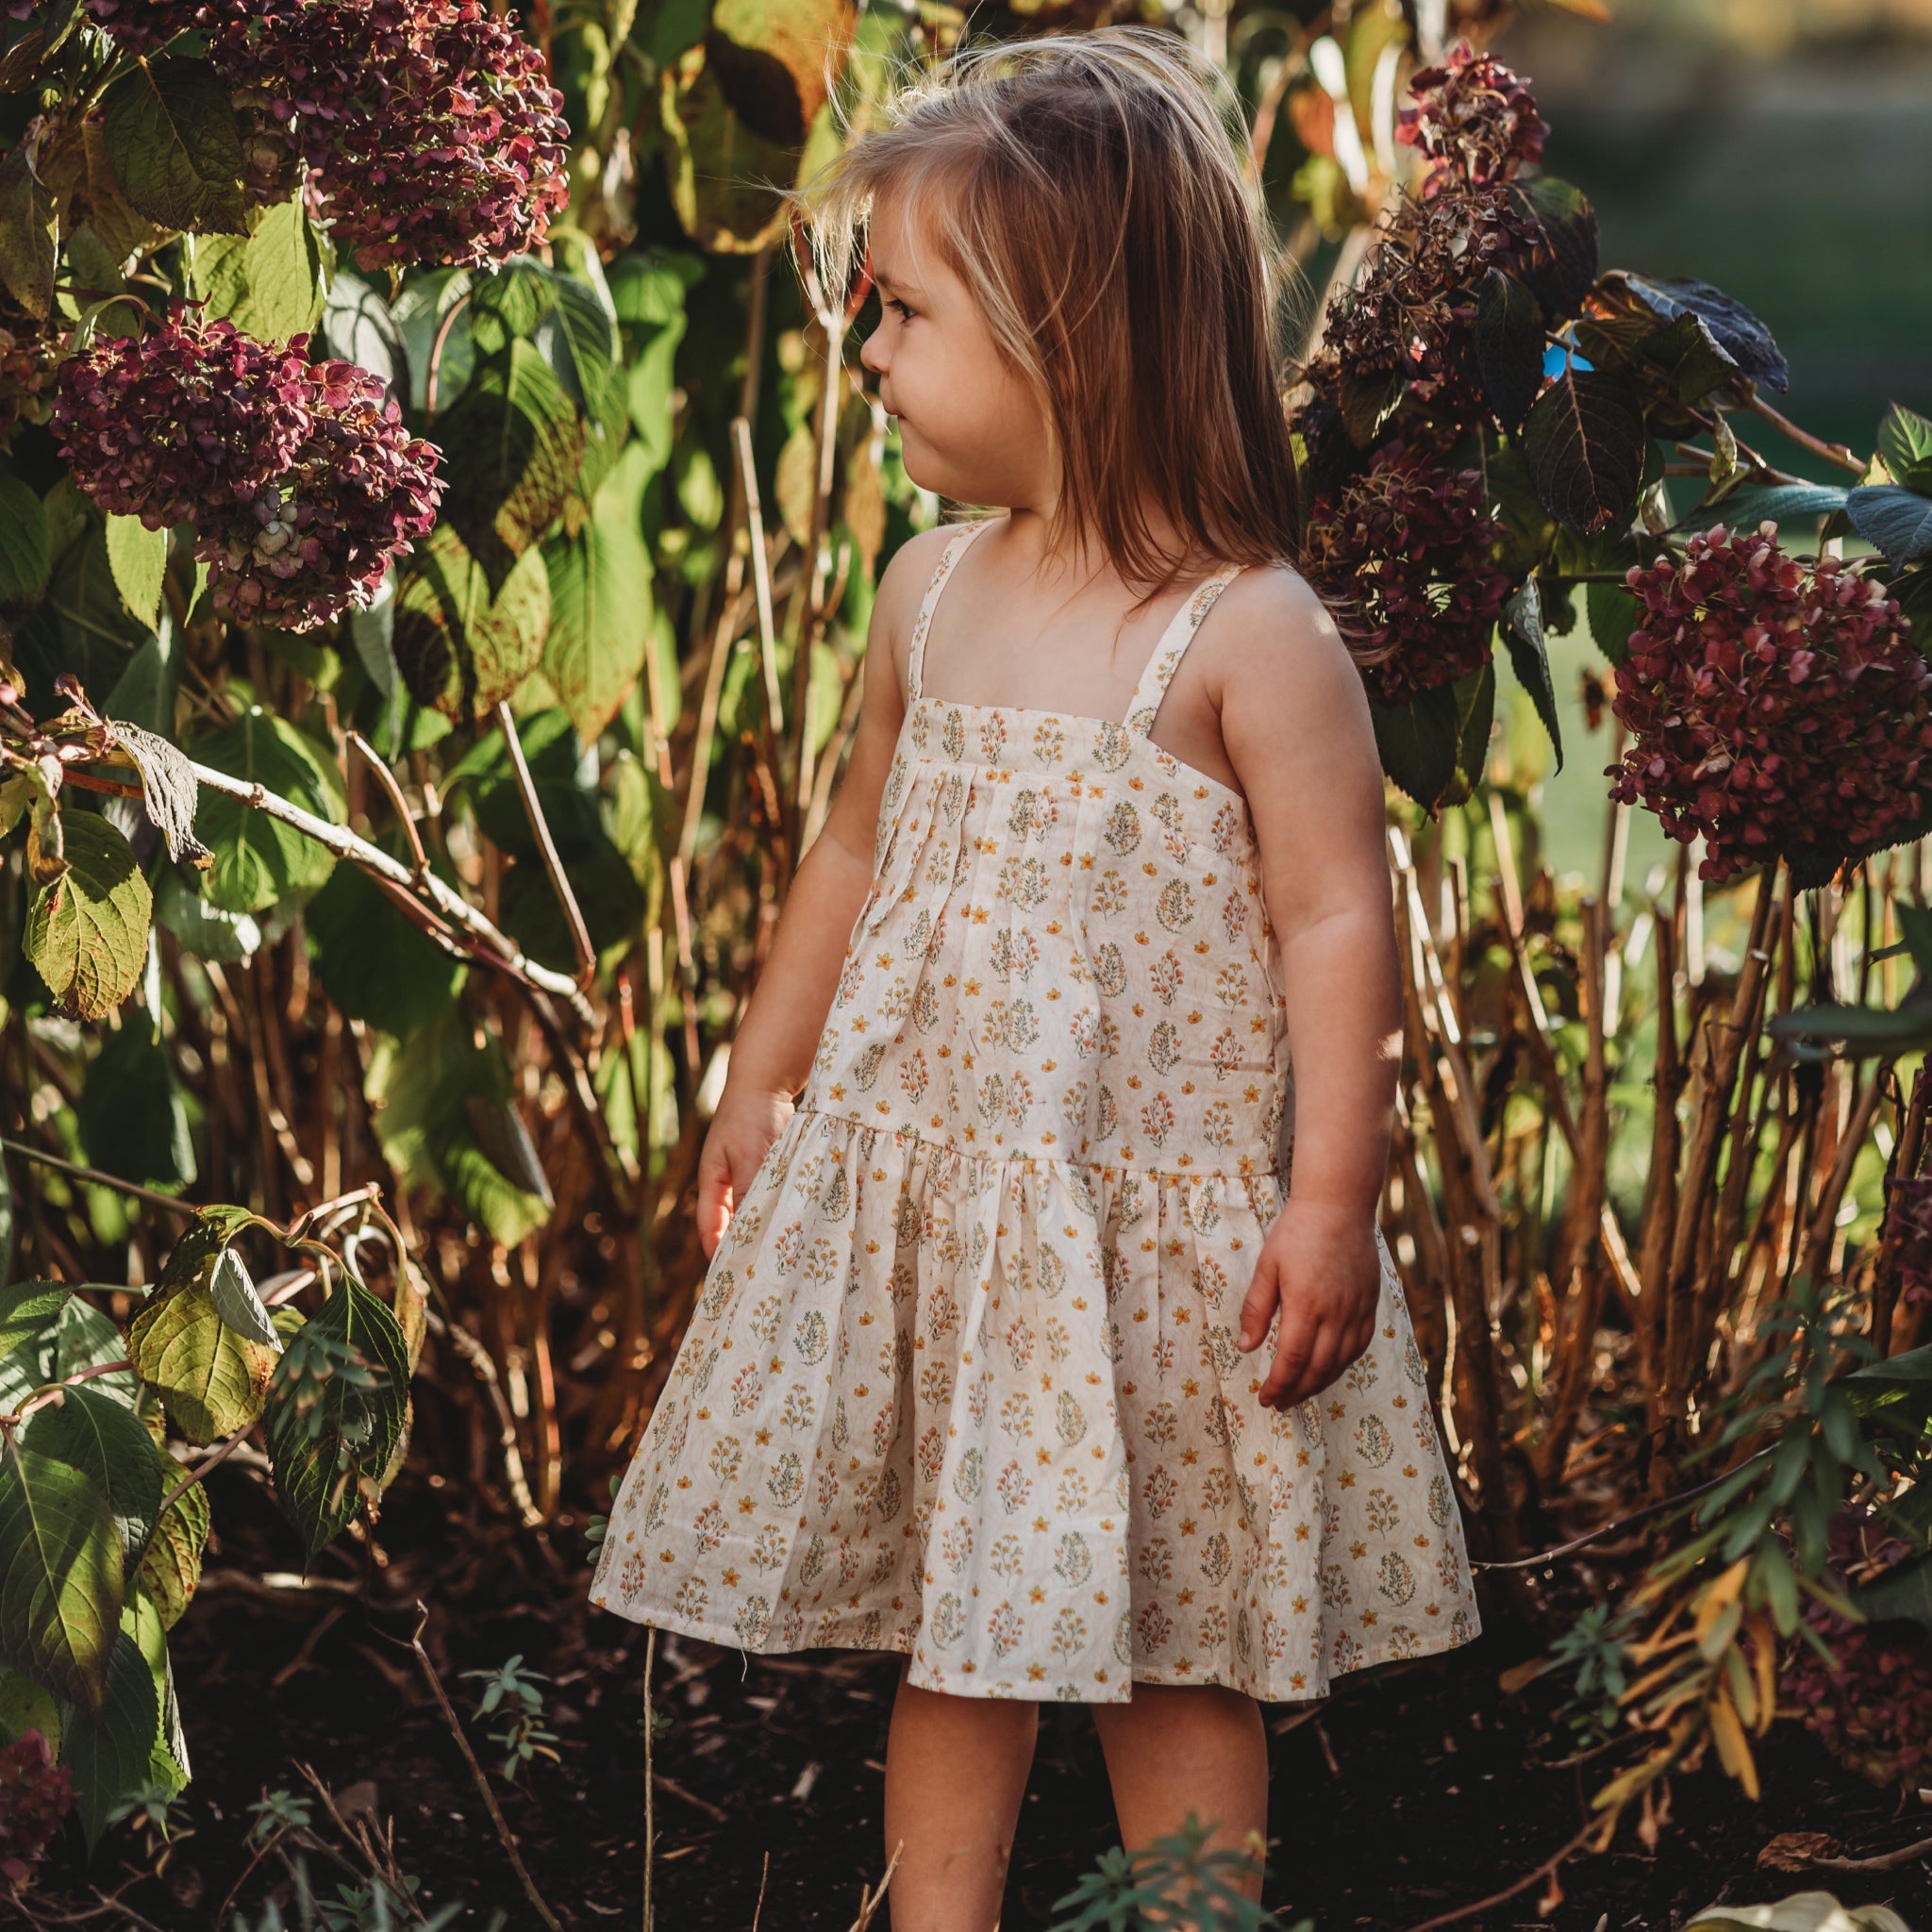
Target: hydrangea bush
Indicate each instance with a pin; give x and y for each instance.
(1488, 422)
(211, 450)
(430, 129)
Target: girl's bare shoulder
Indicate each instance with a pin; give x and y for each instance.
(902, 588)
(903, 583)
(1271, 641)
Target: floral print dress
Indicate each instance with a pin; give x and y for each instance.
(963, 1381)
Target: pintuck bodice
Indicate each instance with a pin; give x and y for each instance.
(1065, 955)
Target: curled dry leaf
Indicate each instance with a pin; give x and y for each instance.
(168, 787)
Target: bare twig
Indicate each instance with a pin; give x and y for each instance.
(546, 846)
(200, 1470)
(650, 1781)
(1883, 1862)
(1547, 1869)
(94, 1178)
(387, 780)
(492, 946)
(1577, 1542)
(445, 1326)
(476, 1772)
(436, 349)
(1834, 453)
(659, 1782)
(869, 1901)
(268, 1845)
(760, 569)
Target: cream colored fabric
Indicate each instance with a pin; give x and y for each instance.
(962, 1380)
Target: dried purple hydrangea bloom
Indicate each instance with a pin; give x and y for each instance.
(429, 126)
(482, 164)
(319, 539)
(1409, 544)
(1774, 706)
(1474, 121)
(186, 420)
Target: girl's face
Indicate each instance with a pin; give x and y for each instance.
(970, 426)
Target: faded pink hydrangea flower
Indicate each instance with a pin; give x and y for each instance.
(1474, 120)
(1774, 709)
(1409, 544)
(190, 417)
(429, 126)
(319, 539)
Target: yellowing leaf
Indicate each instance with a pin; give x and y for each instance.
(87, 934)
(176, 151)
(212, 1380)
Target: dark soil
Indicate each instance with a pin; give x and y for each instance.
(1415, 1790)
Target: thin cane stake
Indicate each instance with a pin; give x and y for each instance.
(651, 1726)
(760, 569)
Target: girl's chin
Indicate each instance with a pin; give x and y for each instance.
(921, 470)
(927, 470)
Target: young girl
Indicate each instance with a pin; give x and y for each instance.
(1017, 1355)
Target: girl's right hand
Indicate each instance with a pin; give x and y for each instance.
(741, 1130)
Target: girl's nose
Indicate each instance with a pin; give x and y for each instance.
(872, 353)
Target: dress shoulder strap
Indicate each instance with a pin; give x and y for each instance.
(1173, 647)
(915, 655)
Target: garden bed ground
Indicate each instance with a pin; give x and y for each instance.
(1415, 1790)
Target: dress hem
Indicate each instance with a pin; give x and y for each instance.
(1370, 1655)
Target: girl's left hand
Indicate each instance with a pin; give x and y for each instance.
(1320, 1265)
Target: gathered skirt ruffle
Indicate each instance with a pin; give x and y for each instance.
(991, 1413)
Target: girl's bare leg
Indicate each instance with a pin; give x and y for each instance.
(1178, 1749)
(956, 1772)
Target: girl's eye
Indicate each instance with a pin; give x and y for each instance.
(904, 313)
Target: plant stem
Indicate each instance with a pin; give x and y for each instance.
(476, 1772)
(387, 780)
(96, 1179)
(1496, 1898)
(1618, 1523)
(436, 348)
(1832, 452)
(546, 846)
(1883, 1862)
(760, 569)
(650, 1809)
(492, 947)
(202, 1469)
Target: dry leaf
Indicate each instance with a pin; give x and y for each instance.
(1793, 1850)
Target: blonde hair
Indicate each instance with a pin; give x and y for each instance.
(1087, 191)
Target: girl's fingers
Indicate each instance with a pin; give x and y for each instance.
(715, 1197)
(1299, 1340)
(1258, 1307)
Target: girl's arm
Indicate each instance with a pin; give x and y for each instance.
(780, 1034)
(1295, 722)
